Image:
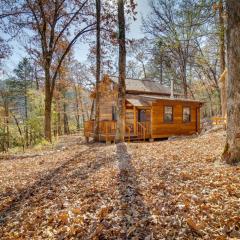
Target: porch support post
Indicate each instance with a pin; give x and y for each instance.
(135, 120)
(151, 120)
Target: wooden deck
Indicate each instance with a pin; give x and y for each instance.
(107, 131)
(219, 121)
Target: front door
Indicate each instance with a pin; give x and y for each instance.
(144, 115)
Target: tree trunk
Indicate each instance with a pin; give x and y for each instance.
(65, 121)
(36, 78)
(98, 69)
(58, 109)
(82, 108)
(59, 129)
(65, 116)
(77, 115)
(222, 58)
(7, 140)
(232, 148)
(120, 131)
(20, 131)
(161, 68)
(144, 70)
(26, 111)
(48, 108)
(92, 110)
(184, 80)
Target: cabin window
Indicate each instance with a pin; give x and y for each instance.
(168, 114)
(186, 114)
(114, 113)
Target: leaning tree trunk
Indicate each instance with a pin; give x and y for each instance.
(98, 69)
(232, 149)
(120, 131)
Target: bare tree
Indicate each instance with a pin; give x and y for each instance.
(222, 57)
(139, 52)
(98, 67)
(177, 24)
(120, 131)
(52, 21)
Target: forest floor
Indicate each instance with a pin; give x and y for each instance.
(175, 189)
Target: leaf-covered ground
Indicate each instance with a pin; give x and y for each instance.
(175, 189)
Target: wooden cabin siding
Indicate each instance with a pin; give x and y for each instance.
(108, 99)
(106, 104)
(129, 118)
(177, 127)
(144, 114)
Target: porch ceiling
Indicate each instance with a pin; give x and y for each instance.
(138, 102)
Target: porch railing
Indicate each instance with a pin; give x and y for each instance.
(88, 128)
(143, 130)
(128, 132)
(107, 130)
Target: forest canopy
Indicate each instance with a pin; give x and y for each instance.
(180, 41)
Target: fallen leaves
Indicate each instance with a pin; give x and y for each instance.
(63, 217)
(160, 190)
(104, 212)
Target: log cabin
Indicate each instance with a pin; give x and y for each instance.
(153, 111)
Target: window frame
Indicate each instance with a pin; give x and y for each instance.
(190, 114)
(164, 119)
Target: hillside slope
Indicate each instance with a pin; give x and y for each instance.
(175, 189)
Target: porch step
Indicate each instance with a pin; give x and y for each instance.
(133, 138)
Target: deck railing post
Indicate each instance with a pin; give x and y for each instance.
(106, 131)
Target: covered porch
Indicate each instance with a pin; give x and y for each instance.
(107, 131)
(137, 121)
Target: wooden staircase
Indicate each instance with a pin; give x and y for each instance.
(142, 133)
(133, 138)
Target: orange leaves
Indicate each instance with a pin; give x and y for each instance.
(63, 217)
(185, 176)
(233, 191)
(77, 211)
(158, 197)
(104, 212)
(194, 226)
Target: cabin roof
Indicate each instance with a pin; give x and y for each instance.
(138, 102)
(144, 85)
(171, 99)
(146, 100)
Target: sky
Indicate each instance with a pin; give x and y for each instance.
(81, 51)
